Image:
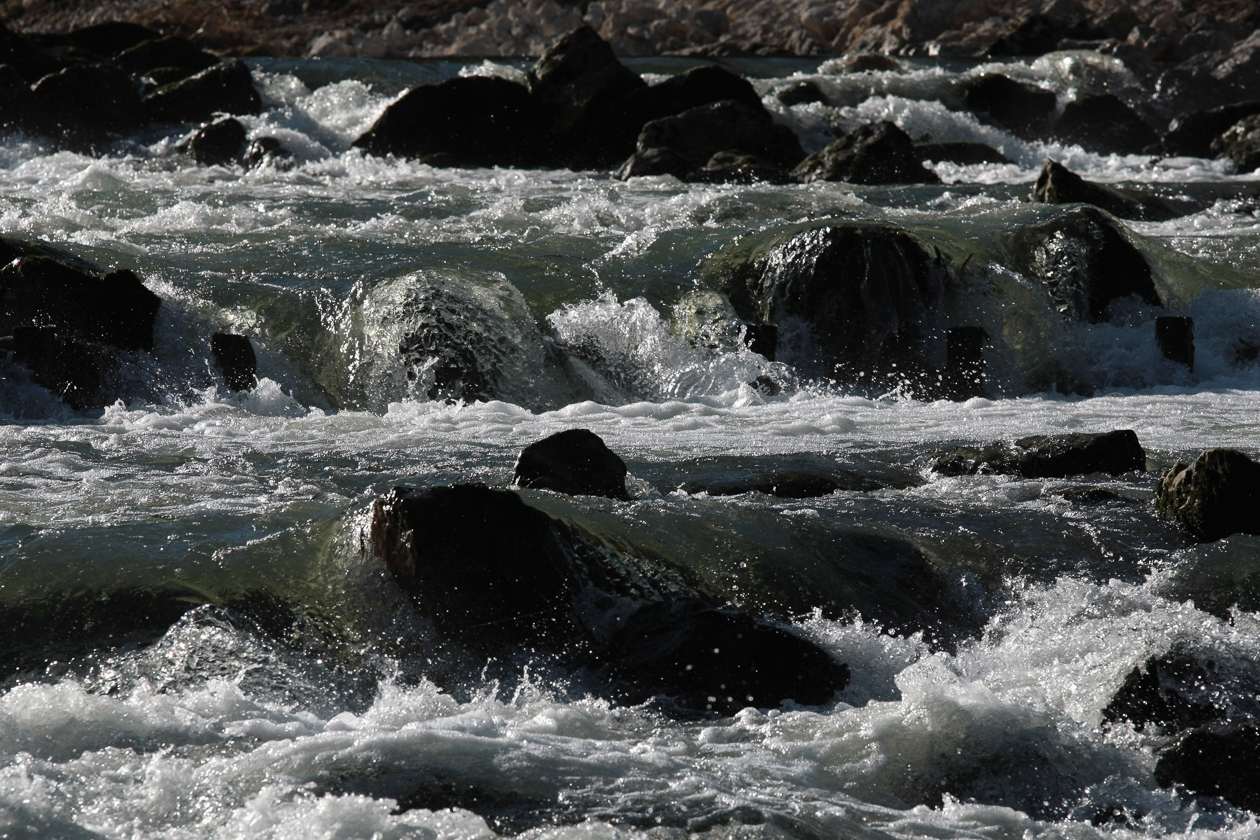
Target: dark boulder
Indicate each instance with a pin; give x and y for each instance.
(1103, 123)
(235, 357)
(1241, 144)
(226, 88)
(268, 151)
(575, 85)
(650, 162)
(1025, 109)
(575, 462)
(699, 133)
(870, 293)
(84, 106)
(709, 660)
(1056, 184)
(114, 310)
(1029, 34)
(1048, 456)
(466, 121)
(1192, 135)
(79, 373)
(1221, 760)
(738, 168)
(876, 153)
(1084, 261)
(1178, 690)
(15, 97)
(166, 53)
(801, 93)
(1215, 496)
(218, 144)
(112, 38)
(1175, 336)
(961, 153)
(492, 573)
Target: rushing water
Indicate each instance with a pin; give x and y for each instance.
(308, 702)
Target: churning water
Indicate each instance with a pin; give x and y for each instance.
(302, 698)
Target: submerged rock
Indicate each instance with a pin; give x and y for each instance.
(575, 462)
(876, 153)
(1048, 456)
(1056, 184)
(1215, 496)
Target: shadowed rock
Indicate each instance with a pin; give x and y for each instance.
(226, 88)
(1192, 135)
(177, 54)
(1048, 456)
(963, 154)
(876, 153)
(1177, 691)
(1175, 336)
(699, 133)
(235, 357)
(84, 106)
(1215, 496)
(1219, 761)
(739, 168)
(1056, 184)
(218, 144)
(1241, 144)
(1103, 123)
(575, 462)
(801, 93)
(112, 38)
(1025, 109)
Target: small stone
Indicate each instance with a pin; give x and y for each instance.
(575, 462)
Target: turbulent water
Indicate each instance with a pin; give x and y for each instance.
(198, 645)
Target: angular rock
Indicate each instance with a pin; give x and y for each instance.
(84, 106)
(1025, 109)
(1056, 184)
(699, 133)
(876, 153)
(218, 144)
(226, 88)
(492, 573)
(1103, 123)
(1084, 261)
(1215, 496)
(235, 357)
(710, 660)
(1219, 761)
(1192, 135)
(468, 121)
(963, 154)
(1241, 144)
(575, 462)
(1047, 456)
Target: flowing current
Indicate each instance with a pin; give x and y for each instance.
(198, 645)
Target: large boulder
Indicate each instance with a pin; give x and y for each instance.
(84, 106)
(466, 121)
(1048, 456)
(178, 54)
(1025, 109)
(1241, 144)
(876, 153)
(1056, 184)
(112, 37)
(1216, 495)
(1084, 261)
(709, 660)
(225, 88)
(575, 462)
(870, 293)
(697, 134)
(1103, 123)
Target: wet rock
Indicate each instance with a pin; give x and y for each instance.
(710, 660)
(218, 144)
(1056, 184)
(1090, 496)
(1176, 691)
(114, 310)
(84, 106)
(177, 54)
(1084, 261)
(738, 168)
(1175, 336)
(876, 153)
(784, 484)
(575, 462)
(1192, 135)
(492, 573)
(235, 357)
(1215, 496)
(226, 88)
(575, 85)
(467, 121)
(1047, 456)
(964, 362)
(1219, 761)
(268, 151)
(963, 154)
(1103, 123)
(801, 93)
(1029, 34)
(77, 372)
(650, 162)
(112, 38)
(1025, 109)
(699, 133)
(1241, 144)
(870, 63)
(870, 294)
